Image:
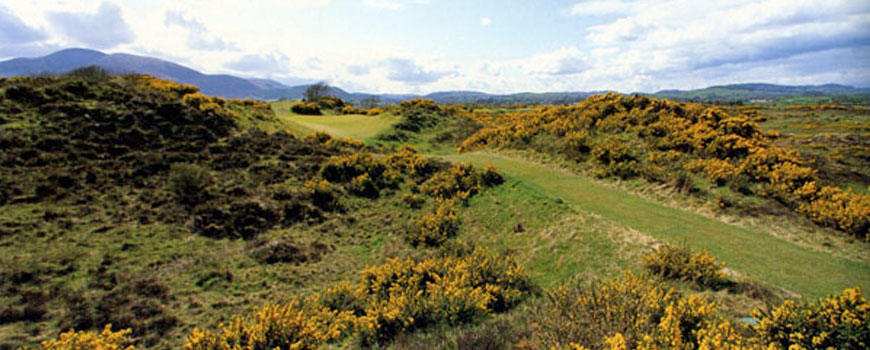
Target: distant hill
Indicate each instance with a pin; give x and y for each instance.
(229, 86)
(759, 91)
(222, 85)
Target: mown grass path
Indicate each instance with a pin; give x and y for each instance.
(757, 254)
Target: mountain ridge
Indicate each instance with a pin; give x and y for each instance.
(229, 86)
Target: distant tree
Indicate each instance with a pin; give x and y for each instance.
(316, 92)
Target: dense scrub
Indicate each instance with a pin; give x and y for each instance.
(631, 312)
(397, 296)
(660, 140)
(636, 313)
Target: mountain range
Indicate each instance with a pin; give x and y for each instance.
(229, 86)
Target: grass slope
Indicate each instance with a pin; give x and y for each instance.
(757, 254)
(352, 125)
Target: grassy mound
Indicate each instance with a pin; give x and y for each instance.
(141, 203)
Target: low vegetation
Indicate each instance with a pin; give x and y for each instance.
(395, 297)
(636, 313)
(682, 263)
(188, 221)
(163, 176)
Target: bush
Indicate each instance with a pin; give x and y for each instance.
(406, 295)
(323, 194)
(306, 108)
(295, 325)
(363, 185)
(631, 311)
(375, 111)
(437, 227)
(461, 181)
(351, 109)
(413, 200)
(105, 340)
(331, 102)
(840, 321)
(682, 263)
(189, 183)
(491, 177)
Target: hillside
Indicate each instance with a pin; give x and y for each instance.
(205, 223)
(142, 203)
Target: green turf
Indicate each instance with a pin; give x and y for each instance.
(351, 125)
(756, 254)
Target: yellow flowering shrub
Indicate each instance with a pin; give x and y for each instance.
(163, 85)
(404, 295)
(394, 297)
(435, 228)
(840, 321)
(351, 109)
(306, 108)
(408, 161)
(628, 312)
(295, 325)
(323, 194)
(375, 111)
(838, 208)
(633, 313)
(344, 168)
(105, 340)
(682, 263)
(460, 181)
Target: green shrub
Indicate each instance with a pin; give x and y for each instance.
(491, 177)
(324, 195)
(189, 183)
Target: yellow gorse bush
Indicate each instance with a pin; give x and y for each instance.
(682, 263)
(294, 326)
(634, 313)
(435, 228)
(627, 312)
(105, 340)
(394, 297)
(840, 321)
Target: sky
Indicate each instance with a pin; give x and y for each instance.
(495, 46)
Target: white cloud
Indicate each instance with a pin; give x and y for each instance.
(565, 61)
(644, 41)
(485, 21)
(302, 3)
(598, 8)
(384, 4)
